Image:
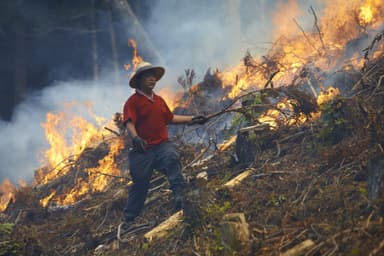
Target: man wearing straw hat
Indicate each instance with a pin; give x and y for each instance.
(146, 116)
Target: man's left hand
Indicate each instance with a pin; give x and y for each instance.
(139, 144)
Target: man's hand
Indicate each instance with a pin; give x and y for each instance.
(200, 119)
(139, 144)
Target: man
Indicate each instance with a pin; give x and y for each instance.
(146, 116)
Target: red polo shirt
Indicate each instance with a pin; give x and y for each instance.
(150, 117)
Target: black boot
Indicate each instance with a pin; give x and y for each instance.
(179, 203)
(179, 197)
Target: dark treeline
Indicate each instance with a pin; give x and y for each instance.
(44, 41)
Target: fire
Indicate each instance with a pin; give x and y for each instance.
(7, 193)
(342, 22)
(98, 179)
(370, 11)
(170, 97)
(44, 201)
(136, 59)
(97, 176)
(68, 135)
(240, 80)
(294, 50)
(366, 15)
(327, 95)
(283, 114)
(81, 188)
(282, 18)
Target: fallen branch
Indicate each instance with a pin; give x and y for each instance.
(298, 249)
(164, 228)
(377, 249)
(104, 219)
(198, 157)
(376, 88)
(365, 75)
(318, 246)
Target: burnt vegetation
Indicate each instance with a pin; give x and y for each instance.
(303, 185)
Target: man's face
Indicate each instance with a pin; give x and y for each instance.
(148, 81)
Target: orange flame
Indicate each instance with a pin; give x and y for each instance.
(7, 193)
(136, 59)
(44, 201)
(68, 136)
(100, 176)
(292, 51)
(340, 24)
(170, 97)
(98, 179)
(58, 128)
(327, 95)
(81, 188)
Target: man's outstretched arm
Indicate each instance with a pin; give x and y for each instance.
(179, 119)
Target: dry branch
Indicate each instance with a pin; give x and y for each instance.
(298, 249)
(165, 228)
(317, 28)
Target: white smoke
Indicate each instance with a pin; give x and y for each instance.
(23, 140)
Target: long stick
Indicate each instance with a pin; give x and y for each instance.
(223, 112)
(226, 109)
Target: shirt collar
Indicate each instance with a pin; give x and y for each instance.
(151, 98)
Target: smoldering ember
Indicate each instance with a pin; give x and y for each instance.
(289, 163)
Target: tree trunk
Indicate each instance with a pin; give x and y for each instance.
(114, 49)
(95, 56)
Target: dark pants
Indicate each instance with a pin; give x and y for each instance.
(164, 158)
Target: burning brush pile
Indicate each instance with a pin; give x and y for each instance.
(290, 163)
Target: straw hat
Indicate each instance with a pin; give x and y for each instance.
(144, 67)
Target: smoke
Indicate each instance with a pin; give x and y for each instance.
(23, 140)
(200, 34)
(187, 34)
(216, 34)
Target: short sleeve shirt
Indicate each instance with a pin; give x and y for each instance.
(150, 117)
